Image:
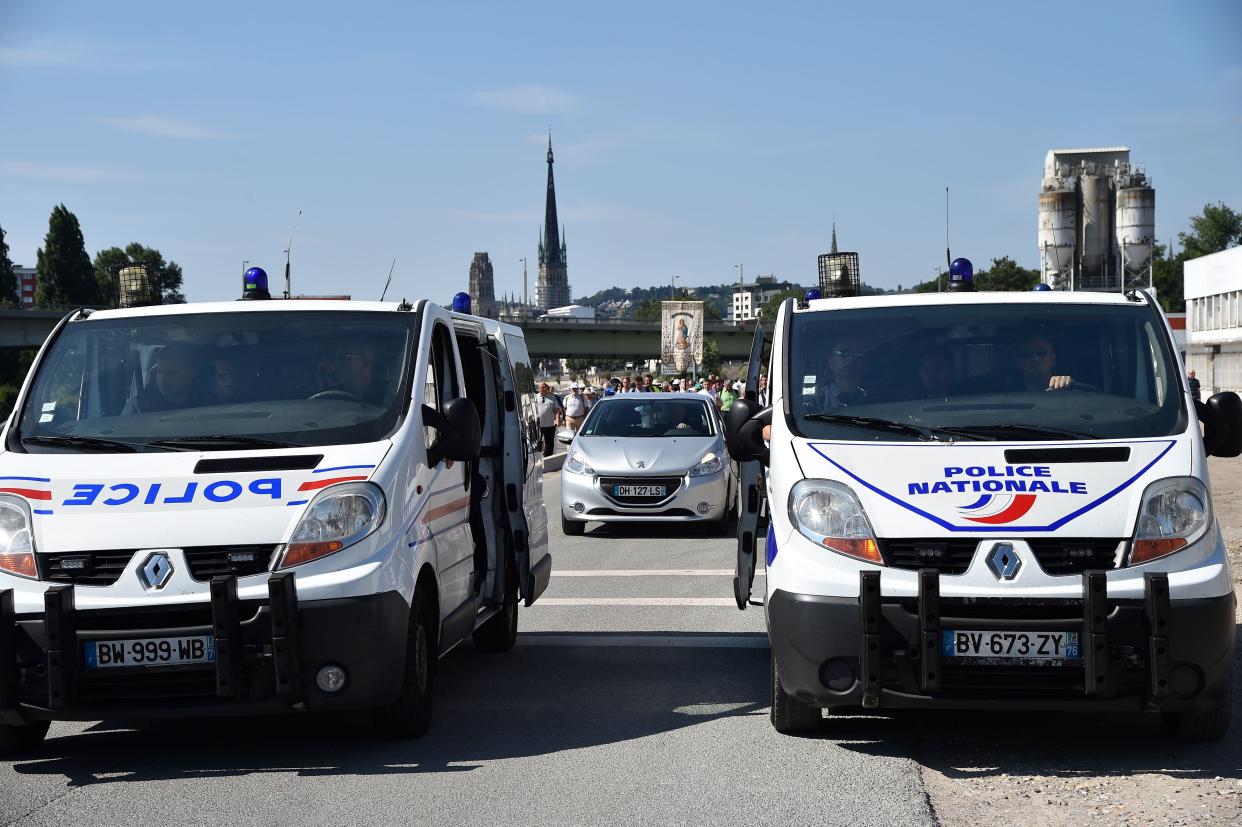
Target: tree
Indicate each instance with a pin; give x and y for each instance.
(649, 311)
(165, 277)
(64, 269)
(8, 279)
(1218, 228)
(711, 356)
(1166, 278)
(772, 305)
(1006, 274)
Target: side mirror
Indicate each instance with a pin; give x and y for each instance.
(460, 436)
(1222, 424)
(744, 430)
(565, 436)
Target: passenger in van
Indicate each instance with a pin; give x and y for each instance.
(227, 384)
(848, 362)
(936, 374)
(173, 382)
(1036, 361)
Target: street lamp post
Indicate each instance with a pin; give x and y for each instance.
(525, 300)
(672, 290)
(741, 283)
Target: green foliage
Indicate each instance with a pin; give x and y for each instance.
(65, 275)
(1166, 278)
(14, 365)
(649, 311)
(772, 305)
(711, 356)
(165, 276)
(8, 279)
(1218, 228)
(1004, 274)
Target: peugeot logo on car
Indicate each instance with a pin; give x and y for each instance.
(1004, 561)
(156, 571)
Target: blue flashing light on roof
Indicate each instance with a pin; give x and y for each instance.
(461, 303)
(812, 295)
(254, 284)
(1041, 287)
(961, 275)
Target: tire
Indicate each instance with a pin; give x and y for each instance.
(499, 632)
(1209, 722)
(410, 715)
(20, 740)
(572, 528)
(791, 716)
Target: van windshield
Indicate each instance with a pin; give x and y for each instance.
(1015, 371)
(220, 381)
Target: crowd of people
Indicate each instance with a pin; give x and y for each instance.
(570, 410)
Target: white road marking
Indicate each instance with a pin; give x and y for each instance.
(662, 641)
(636, 601)
(648, 573)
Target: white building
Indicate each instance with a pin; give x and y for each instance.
(750, 299)
(1213, 289)
(27, 279)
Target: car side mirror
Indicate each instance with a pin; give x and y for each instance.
(744, 424)
(565, 436)
(1222, 424)
(459, 435)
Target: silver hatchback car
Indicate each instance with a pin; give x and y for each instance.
(648, 457)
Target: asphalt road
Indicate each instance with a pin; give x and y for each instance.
(637, 694)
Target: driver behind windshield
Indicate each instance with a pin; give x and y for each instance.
(172, 384)
(1036, 361)
(348, 371)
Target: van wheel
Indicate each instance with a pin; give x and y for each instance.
(499, 632)
(410, 715)
(791, 716)
(572, 528)
(19, 740)
(1209, 722)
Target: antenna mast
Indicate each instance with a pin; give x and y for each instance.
(389, 281)
(288, 287)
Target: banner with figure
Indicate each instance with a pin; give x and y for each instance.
(682, 334)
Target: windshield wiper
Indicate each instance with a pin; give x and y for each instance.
(873, 423)
(90, 443)
(1012, 429)
(221, 442)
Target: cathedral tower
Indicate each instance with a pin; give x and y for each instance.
(552, 289)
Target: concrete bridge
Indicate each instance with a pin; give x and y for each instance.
(603, 339)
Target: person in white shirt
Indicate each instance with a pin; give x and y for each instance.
(590, 397)
(549, 409)
(575, 407)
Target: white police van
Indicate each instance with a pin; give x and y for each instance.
(263, 506)
(987, 501)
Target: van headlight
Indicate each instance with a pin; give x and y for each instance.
(1174, 513)
(339, 517)
(709, 465)
(17, 552)
(829, 514)
(575, 463)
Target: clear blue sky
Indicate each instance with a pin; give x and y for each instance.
(690, 137)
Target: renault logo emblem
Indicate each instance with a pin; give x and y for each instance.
(1004, 561)
(156, 571)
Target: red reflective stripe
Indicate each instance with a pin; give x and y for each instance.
(1021, 504)
(317, 484)
(446, 509)
(28, 493)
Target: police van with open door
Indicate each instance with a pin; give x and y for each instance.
(987, 500)
(263, 506)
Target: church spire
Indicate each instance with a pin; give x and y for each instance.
(551, 226)
(834, 236)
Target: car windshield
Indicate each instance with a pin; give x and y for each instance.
(219, 380)
(645, 415)
(1017, 371)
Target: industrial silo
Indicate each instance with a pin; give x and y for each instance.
(1058, 224)
(1095, 239)
(1136, 229)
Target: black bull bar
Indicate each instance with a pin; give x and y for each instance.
(64, 658)
(1094, 642)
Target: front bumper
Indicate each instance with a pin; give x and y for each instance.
(878, 651)
(682, 506)
(267, 654)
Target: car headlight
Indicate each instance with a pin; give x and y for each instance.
(336, 519)
(16, 540)
(575, 463)
(829, 514)
(710, 464)
(1174, 513)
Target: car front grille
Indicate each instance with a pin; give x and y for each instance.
(953, 555)
(671, 484)
(84, 568)
(207, 562)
